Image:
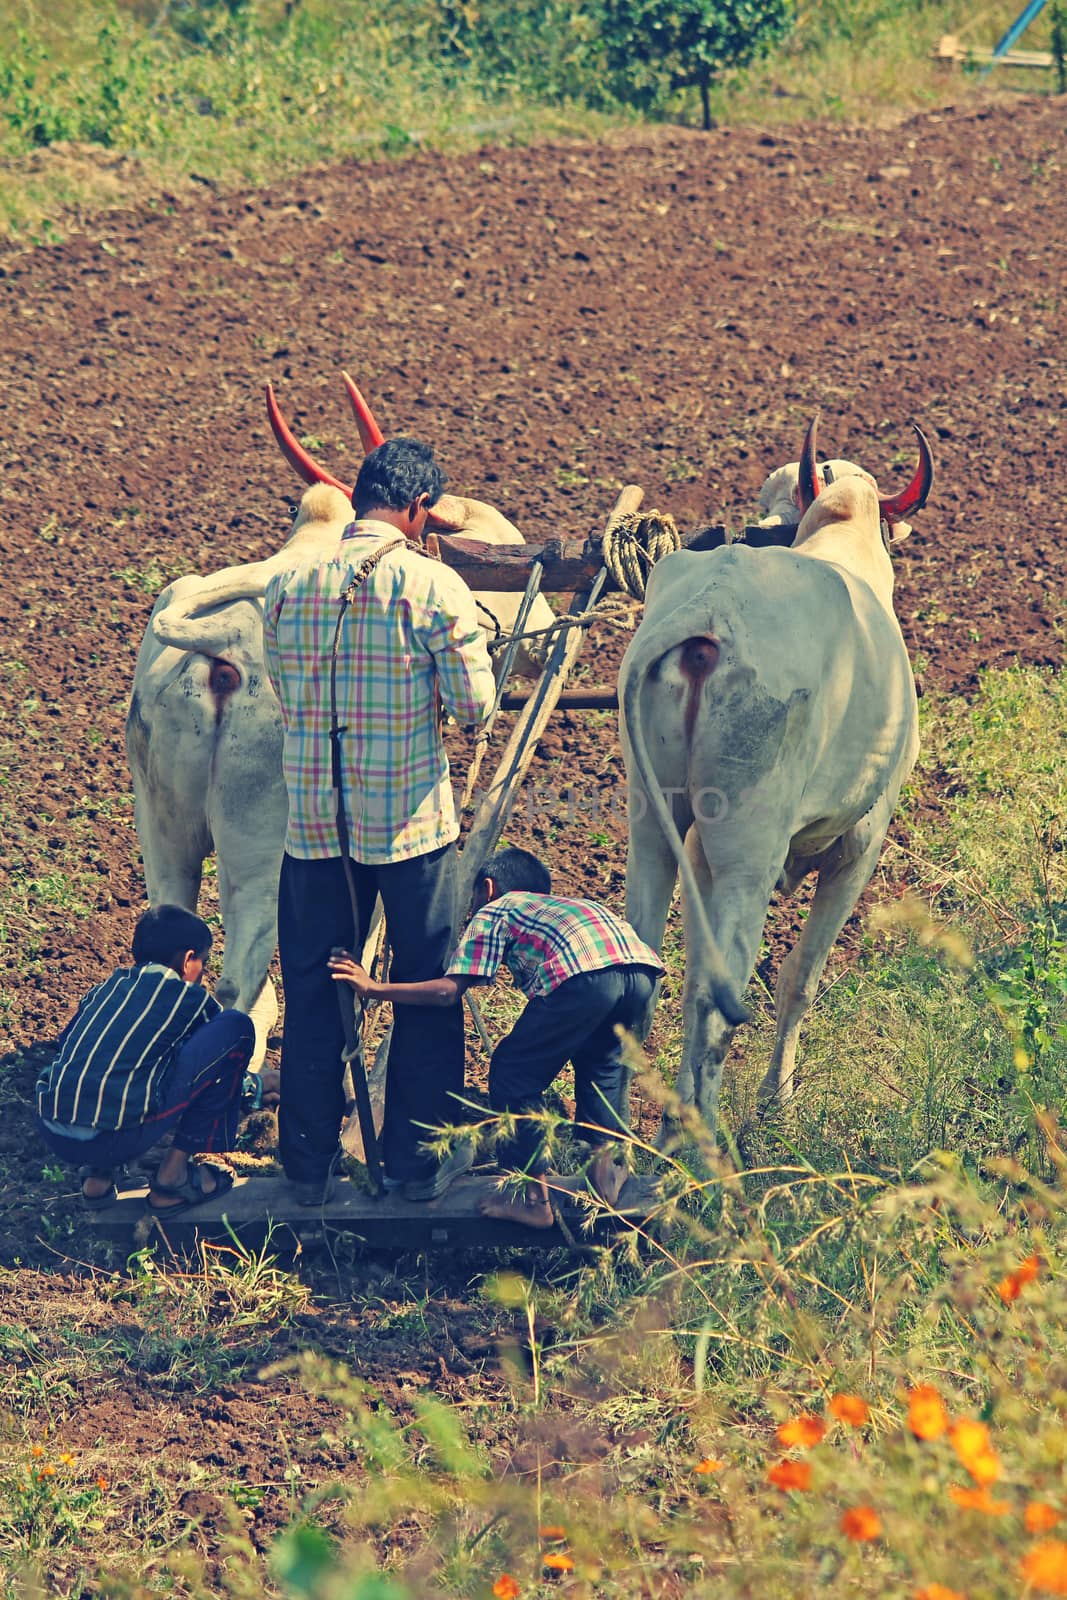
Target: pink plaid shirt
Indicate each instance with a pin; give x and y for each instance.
(543, 940)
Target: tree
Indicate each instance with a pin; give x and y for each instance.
(655, 45)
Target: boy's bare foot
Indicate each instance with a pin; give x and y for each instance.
(532, 1208)
(608, 1177)
(97, 1183)
(173, 1175)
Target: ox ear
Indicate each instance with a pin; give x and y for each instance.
(914, 497)
(808, 476)
(371, 436)
(293, 451)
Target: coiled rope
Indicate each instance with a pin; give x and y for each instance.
(633, 543)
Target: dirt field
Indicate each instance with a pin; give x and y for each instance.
(667, 311)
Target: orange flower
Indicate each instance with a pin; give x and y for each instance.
(1045, 1566)
(47, 1471)
(101, 1484)
(1010, 1288)
(1029, 1269)
(861, 1524)
(1039, 1516)
(708, 1465)
(67, 1459)
(556, 1561)
(803, 1431)
(553, 1533)
(978, 1500)
(505, 1587)
(927, 1417)
(37, 1450)
(790, 1475)
(970, 1440)
(938, 1591)
(849, 1408)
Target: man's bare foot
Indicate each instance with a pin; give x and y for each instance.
(532, 1208)
(172, 1175)
(608, 1177)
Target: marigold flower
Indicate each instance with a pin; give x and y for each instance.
(803, 1431)
(708, 1465)
(970, 1440)
(505, 1587)
(849, 1408)
(787, 1475)
(978, 1500)
(861, 1524)
(1029, 1269)
(938, 1591)
(1045, 1566)
(1039, 1516)
(47, 1471)
(553, 1532)
(927, 1417)
(37, 1450)
(556, 1561)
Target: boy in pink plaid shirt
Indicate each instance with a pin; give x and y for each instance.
(585, 973)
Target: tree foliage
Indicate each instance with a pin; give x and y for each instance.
(656, 45)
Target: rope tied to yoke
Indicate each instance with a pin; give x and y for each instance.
(632, 544)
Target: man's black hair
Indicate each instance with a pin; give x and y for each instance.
(517, 869)
(165, 933)
(396, 474)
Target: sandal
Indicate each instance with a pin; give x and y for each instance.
(98, 1202)
(191, 1192)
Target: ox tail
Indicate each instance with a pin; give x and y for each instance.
(722, 988)
(181, 624)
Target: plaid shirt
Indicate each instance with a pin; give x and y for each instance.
(412, 631)
(544, 940)
(115, 1051)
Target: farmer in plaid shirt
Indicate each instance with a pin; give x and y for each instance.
(410, 641)
(585, 971)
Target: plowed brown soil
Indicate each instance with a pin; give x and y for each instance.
(668, 310)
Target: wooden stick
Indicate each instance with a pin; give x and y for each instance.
(598, 699)
(537, 708)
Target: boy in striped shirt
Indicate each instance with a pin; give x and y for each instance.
(585, 972)
(149, 1051)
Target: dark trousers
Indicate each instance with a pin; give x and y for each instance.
(200, 1099)
(425, 1071)
(575, 1023)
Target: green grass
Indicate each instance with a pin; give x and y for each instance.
(100, 104)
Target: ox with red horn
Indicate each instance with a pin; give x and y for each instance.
(371, 436)
(893, 508)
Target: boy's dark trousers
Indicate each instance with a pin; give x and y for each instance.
(426, 1053)
(575, 1023)
(200, 1099)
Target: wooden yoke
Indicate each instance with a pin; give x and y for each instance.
(569, 565)
(493, 812)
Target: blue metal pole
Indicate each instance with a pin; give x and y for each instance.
(1017, 29)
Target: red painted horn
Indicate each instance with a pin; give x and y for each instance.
(808, 478)
(294, 452)
(915, 496)
(371, 436)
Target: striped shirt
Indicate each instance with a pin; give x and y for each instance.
(411, 633)
(544, 940)
(115, 1051)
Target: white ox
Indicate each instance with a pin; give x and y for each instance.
(204, 731)
(768, 720)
